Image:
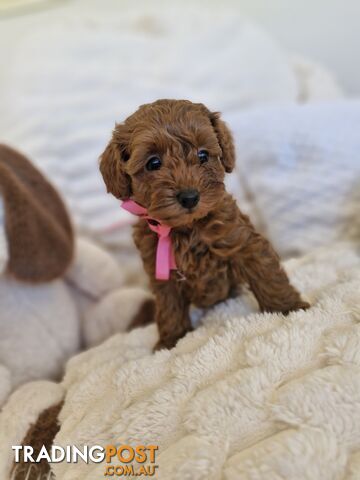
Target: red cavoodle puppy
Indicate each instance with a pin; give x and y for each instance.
(170, 157)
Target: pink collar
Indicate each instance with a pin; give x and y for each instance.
(165, 259)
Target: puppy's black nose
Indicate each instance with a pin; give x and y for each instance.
(188, 198)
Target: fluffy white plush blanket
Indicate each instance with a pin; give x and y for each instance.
(246, 395)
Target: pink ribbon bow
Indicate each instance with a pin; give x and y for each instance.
(165, 259)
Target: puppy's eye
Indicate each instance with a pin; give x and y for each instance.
(154, 163)
(203, 156)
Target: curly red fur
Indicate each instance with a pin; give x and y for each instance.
(216, 247)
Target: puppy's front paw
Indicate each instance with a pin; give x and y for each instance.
(300, 305)
(166, 343)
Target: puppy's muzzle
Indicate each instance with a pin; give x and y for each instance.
(188, 198)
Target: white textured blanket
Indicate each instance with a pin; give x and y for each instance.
(246, 395)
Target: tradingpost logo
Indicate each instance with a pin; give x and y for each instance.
(120, 460)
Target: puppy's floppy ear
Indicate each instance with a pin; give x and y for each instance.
(112, 167)
(225, 140)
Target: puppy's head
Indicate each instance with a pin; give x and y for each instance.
(171, 157)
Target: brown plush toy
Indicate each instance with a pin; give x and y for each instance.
(168, 161)
(39, 321)
(57, 289)
(39, 233)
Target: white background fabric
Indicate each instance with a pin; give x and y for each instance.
(69, 73)
(299, 171)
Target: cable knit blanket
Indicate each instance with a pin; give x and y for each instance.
(246, 395)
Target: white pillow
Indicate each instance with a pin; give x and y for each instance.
(298, 169)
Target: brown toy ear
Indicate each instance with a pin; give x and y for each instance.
(225, 140)
(112, 167)
(37, 227)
